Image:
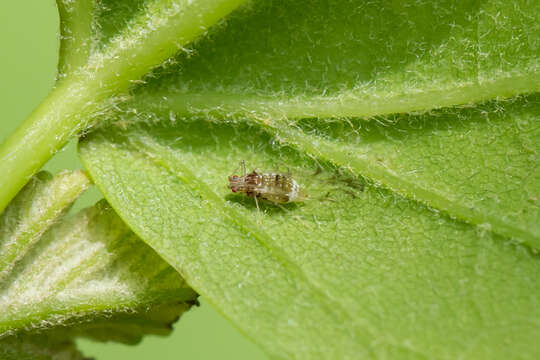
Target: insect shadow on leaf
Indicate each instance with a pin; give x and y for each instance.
(334, 180)
(265, 206)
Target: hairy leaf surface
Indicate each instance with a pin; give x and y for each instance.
(480, 165)
(311, 58)
(85, 275)
(484, 171)
(378, 274)
(368, 266)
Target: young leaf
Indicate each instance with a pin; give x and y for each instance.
(38, 348)
(44, 200)
(86, 275)
(379, 275)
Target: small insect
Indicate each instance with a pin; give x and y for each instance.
(274, 187)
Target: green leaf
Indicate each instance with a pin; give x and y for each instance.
(378, 274)
(94, 75)
(84, 275)
(480, 165)
(369, 266)
(299, 59)
(34, 211)
(38, 348)
(444, 53)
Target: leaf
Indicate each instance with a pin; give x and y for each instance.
(33, 212)
(85, 275)
(303, 59)
(480, 165)
(376, 273)
(406, 74)
(367, 267)
(38, 348)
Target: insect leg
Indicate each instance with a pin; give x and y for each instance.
(318, 170)
(257, 204)
(282, 208)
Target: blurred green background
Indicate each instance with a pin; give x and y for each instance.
(28, 55)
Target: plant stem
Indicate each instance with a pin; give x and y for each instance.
(46, 130)
(75, 33)
(151, 38)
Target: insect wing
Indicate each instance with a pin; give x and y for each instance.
(275, 187)
(278, 188)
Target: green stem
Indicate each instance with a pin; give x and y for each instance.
(45, 131)
(150, 39)
(75, 33)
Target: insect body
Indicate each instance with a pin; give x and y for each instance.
(275, 187)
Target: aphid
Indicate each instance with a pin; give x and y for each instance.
(274, 187)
